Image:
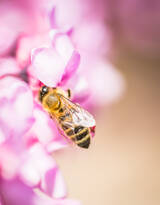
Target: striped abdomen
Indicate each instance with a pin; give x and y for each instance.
(78, 134)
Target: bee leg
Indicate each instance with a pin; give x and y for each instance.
(69, 93)
(51, 116)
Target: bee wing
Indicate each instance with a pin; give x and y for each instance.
(79, 115)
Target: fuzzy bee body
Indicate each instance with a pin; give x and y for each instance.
(72, 120)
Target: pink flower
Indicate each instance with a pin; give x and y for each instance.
(22, 147)
(44, 42)
(74, 31)
(26, 43)
(55, 63)
(29, 171)
(45, 131)
(53, 68)
(16, 107)
(16, 192)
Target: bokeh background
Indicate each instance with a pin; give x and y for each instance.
(123, 164)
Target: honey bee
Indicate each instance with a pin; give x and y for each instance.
(74, 122)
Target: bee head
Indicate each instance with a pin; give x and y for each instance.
(44, 90)
(49, 98)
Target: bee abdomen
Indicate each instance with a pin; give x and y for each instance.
(82, 137)
(85, 142)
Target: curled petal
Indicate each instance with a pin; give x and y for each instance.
(16, 105)
(63, 45)
(25, 44)
(53, 183)
(49, 66)
(71, 67)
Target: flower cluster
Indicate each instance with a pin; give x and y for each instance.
(56, 43)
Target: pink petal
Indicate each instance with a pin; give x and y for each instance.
(49, 66)
(71, 67)
(8, 162)
(26, 44)
(7, 40)
(42, 199)
(79, 87)
(109, 84)
(2, 136)
(51, 15)
(16, 107)
(41, 128)
(53, 184)
(66, 14)
(45, 130)
(40, 170)
(8, 66)
(15, 19)
(15, 192)
(84, 38)
(35, 164)
(96, 83)
(63, 46)
(34, 167)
